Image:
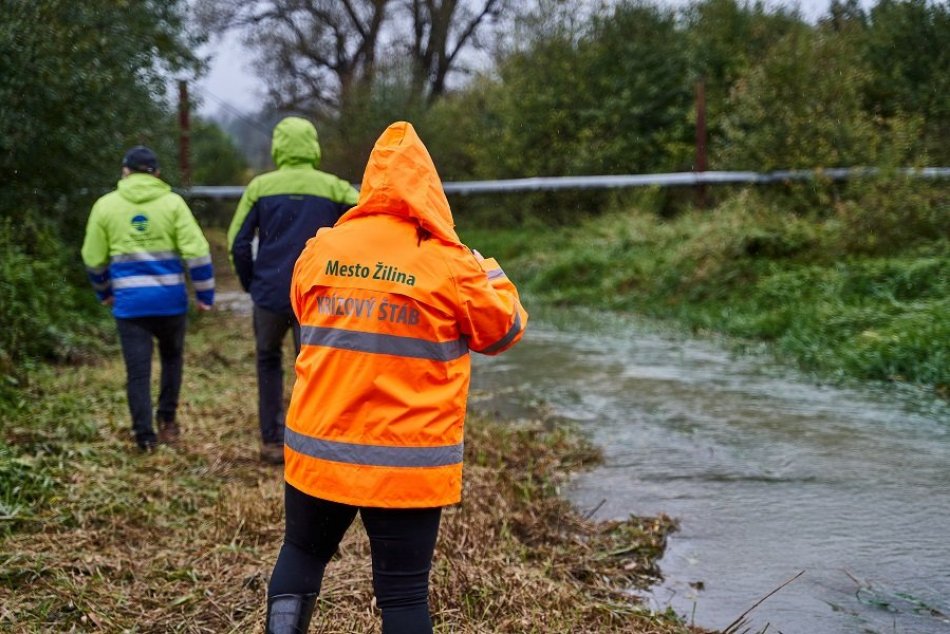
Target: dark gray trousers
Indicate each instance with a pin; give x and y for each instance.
(136, 336)
(270, 328)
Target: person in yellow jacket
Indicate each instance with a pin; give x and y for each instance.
(140, 241)
(390, 303)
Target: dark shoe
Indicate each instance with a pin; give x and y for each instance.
(289, 613)
(168, 432)
(147, 445)
(272, 453)
(146, 441)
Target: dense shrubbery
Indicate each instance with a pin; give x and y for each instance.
(884, 215)
(80, 83)
(46, 309)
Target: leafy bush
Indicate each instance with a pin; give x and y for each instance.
(216, 158)
(46, 309)
(905, 45)
(80, 82)
(886, 214)
(800, 108)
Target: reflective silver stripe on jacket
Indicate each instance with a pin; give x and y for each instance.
(203, 285)
(145, 256)
(504, 341)
(199, 261)
(373, 455)
(97, 270)
(138, 281)
(383, 344)
(495, 274)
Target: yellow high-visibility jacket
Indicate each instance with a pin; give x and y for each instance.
(390, 302)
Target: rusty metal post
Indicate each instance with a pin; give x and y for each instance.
(700, 164)
(184, 134)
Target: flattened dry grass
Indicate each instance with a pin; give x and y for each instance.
(184, 540)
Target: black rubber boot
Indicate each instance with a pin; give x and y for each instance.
(289, 613)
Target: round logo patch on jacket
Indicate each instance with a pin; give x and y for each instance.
(140, 223)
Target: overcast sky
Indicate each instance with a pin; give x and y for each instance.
(231, 84)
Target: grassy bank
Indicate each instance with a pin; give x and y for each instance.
(854, 291)
(96, 537)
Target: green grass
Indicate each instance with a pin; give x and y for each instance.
(754, 272)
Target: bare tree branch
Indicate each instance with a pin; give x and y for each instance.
(317, 55)
(442, 30)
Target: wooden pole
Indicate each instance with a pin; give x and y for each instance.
(184, 134)
(700, 165)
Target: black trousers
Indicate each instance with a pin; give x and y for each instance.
(137, 337)
(270, 328)
(401, 542)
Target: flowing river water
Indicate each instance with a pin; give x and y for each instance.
(770, 473)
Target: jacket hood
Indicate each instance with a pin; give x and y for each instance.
(401, 180)
(139, 187)
(295, 143)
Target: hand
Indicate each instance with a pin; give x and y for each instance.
(204, 307)
(108, 301)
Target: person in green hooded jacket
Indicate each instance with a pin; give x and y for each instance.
(139, 241)
(278, 212)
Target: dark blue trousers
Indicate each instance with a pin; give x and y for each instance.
(137, 336)
(402, 542)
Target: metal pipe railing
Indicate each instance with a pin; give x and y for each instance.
(677, 179)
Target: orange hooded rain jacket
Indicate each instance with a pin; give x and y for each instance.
(390, 302)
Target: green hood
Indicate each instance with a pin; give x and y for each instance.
(295, 143)
(140, 188)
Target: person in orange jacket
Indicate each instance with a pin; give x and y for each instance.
(390, 302)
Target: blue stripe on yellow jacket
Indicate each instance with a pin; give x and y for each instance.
(283, 209)
(140, 239)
